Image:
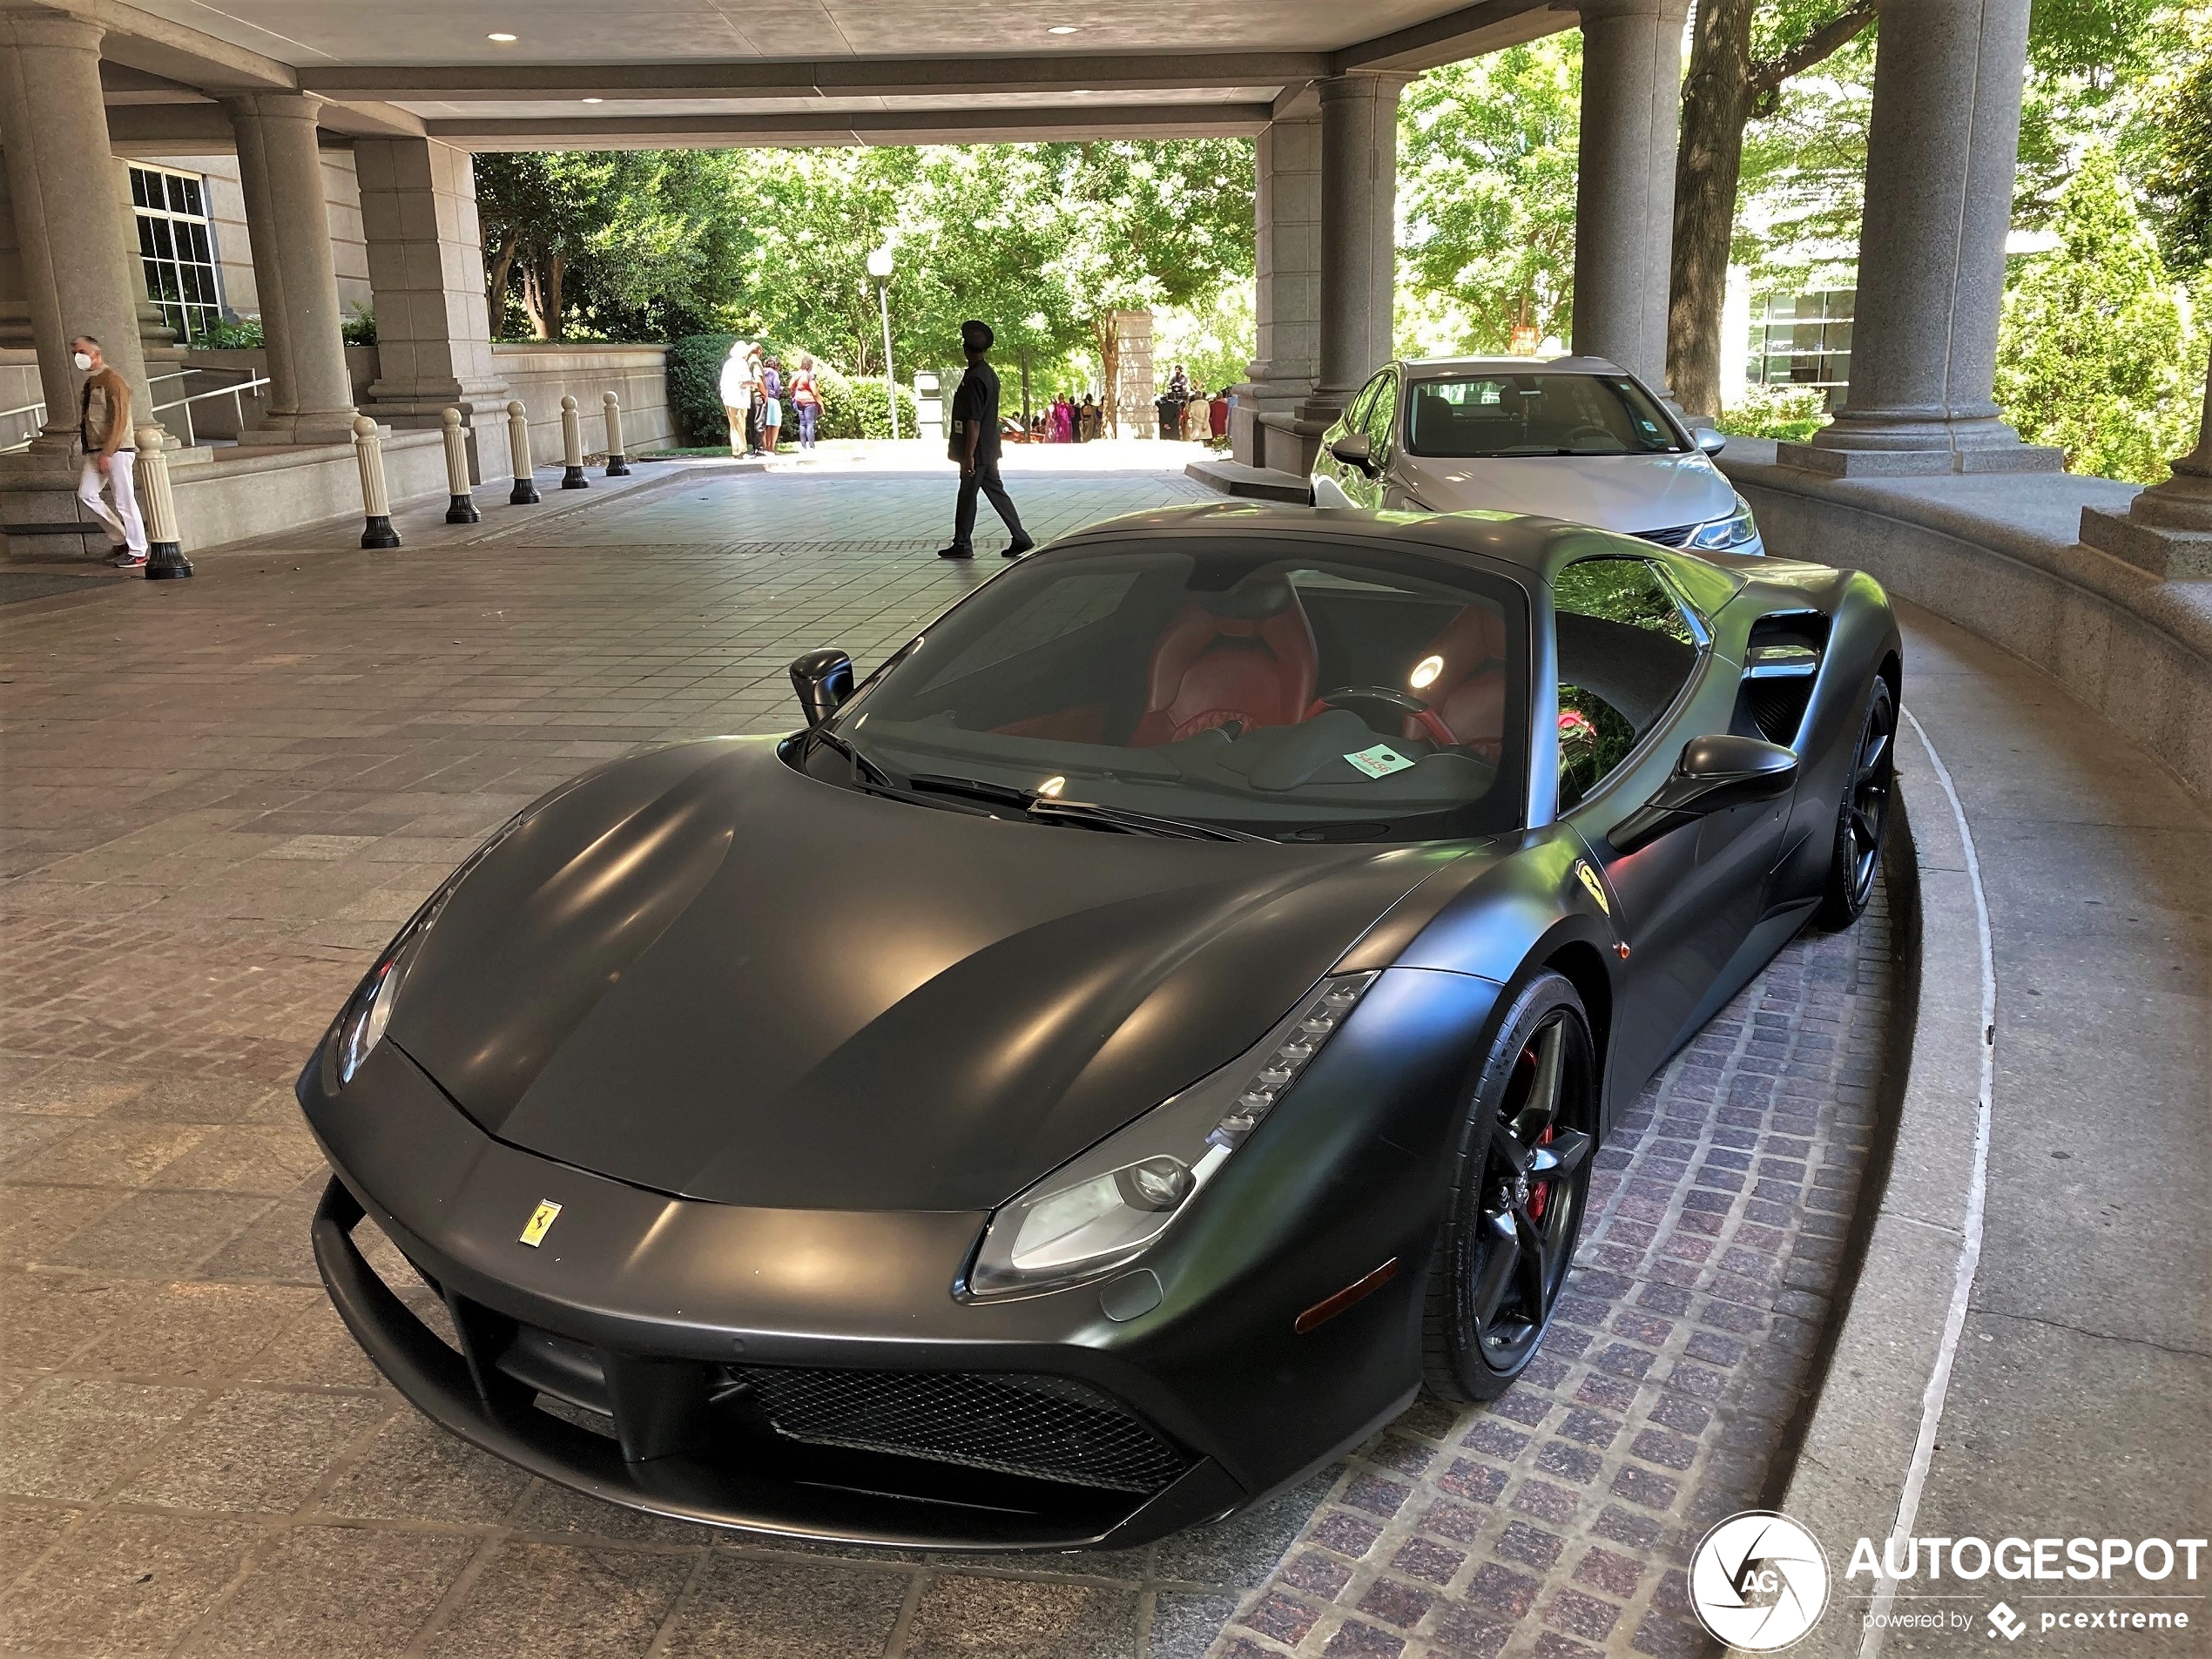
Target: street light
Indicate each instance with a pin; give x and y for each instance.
(879, 268)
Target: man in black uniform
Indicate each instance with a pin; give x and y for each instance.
(973, 443)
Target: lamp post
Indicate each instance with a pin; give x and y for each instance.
(879, 268)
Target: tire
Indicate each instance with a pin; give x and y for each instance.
(1509, 1233)
(1863, 815)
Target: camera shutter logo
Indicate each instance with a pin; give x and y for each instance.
(1758, 1582)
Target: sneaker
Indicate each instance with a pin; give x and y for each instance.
(1016, 550)
(129, 561)
(118, 554)
(955, 552)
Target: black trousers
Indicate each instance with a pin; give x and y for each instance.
(984, 477)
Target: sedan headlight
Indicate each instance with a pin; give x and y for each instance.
(1114, 1201)
(361, 1023)
(1722, 534)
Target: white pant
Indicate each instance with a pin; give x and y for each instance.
(124, 527)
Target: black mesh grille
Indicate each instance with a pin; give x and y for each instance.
(1674, 538)
(1047, 1428)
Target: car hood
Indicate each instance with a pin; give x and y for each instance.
(1627, 493)
(702, 971)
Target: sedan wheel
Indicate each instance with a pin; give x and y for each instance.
(1864, 817)
(1517, 1204)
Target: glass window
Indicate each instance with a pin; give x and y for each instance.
(1295, 689)
(176, 244)
(1537, 414)
(1625, 652)
(1381, 415)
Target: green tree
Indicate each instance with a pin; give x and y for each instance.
(2179, 170)
(2092, 352)
(1486, 194)
(1741, 55)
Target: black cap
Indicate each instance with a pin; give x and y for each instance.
(976, 336)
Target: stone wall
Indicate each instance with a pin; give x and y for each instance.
(539, 375)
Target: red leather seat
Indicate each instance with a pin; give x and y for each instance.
(1466, 700)
(1247, 657)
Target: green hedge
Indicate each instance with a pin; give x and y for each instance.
(851, 409)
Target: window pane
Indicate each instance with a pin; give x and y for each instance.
(175, 193)
(191, 195)
(145, 238)
(197, 236)
(1381, 413)
(1535, 414)
(1625, 652)
(164, 243)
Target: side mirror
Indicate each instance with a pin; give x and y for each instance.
(1355, 449)
(823, 679)
(1708, 440)
(1714, 773)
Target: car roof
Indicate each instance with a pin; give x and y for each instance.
(1523, 542)
(1439, 367)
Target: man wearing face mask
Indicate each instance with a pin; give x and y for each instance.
(104, 425)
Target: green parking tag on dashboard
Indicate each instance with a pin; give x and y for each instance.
(1379, 761)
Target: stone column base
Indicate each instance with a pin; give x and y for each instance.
(2169, 554)
(1268, 411)
(38, 510)
(1906, 463)
(326, 426)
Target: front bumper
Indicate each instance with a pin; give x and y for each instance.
(811, 1375)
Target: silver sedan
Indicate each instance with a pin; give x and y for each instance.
(1577, 438)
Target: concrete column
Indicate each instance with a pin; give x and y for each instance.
(1287, 257)
(1358, 233)
(426, 268)
(311, 396)
(77, 274)
(2167, 529)
(1624, 184)
(15, 296)
(1941, 148)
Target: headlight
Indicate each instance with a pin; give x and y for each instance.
(360, 1024)
(1111, 1203)
(1722, 534)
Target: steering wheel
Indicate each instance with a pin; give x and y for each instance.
(1591, 430)
(1396, 699)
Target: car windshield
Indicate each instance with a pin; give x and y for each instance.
(1536, 414)
(1293, 691)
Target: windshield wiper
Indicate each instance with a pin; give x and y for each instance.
(1091, 815)
(863, 768)
(973, 789)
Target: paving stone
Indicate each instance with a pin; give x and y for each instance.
(71, 1438)
(1009, 1618)
(766, 1608)
(558, 1603)
(1184, 1626)
(337, 1593)
(123, 1584)
(254, 1451)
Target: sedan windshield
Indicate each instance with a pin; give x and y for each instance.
(1536, 414)
(1294, 691)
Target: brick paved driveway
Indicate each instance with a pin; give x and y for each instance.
(218, 797)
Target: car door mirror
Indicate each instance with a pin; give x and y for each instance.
(1715, 772)
(823, 679)
(1708, 440)
(1355, 449)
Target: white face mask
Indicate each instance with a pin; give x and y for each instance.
(82, 362)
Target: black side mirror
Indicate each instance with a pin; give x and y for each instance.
(1710, 440)
(1355, 449)
(823, 679)
(1714, 773)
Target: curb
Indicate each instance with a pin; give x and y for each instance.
(1862, 1457)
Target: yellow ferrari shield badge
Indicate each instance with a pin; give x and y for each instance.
(1596, 886)
(541, 1223)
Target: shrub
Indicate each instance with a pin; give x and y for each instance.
(359, 329)
(231, 334)
(854, 408)
(1790, 413)
(695, 387)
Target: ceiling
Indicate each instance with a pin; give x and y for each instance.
(620, 73)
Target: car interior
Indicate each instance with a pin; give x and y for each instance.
(1536, 414)
(1291, 686)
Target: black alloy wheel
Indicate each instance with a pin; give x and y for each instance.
(1516, 1206)
(1863, 819)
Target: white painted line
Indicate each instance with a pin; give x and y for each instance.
(1954, 1324)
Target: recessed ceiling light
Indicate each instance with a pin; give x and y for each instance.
(502, 38)
(1063, 29)
(595, 100)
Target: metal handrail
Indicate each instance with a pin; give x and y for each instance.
(235, 392)
(25, 441)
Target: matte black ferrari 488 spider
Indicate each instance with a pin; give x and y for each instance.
(1116, 1055)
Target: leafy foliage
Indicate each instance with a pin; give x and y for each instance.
(1486, 196)
(2092, 355)
(2178, 171)
(851, 409)
(1792, 413)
